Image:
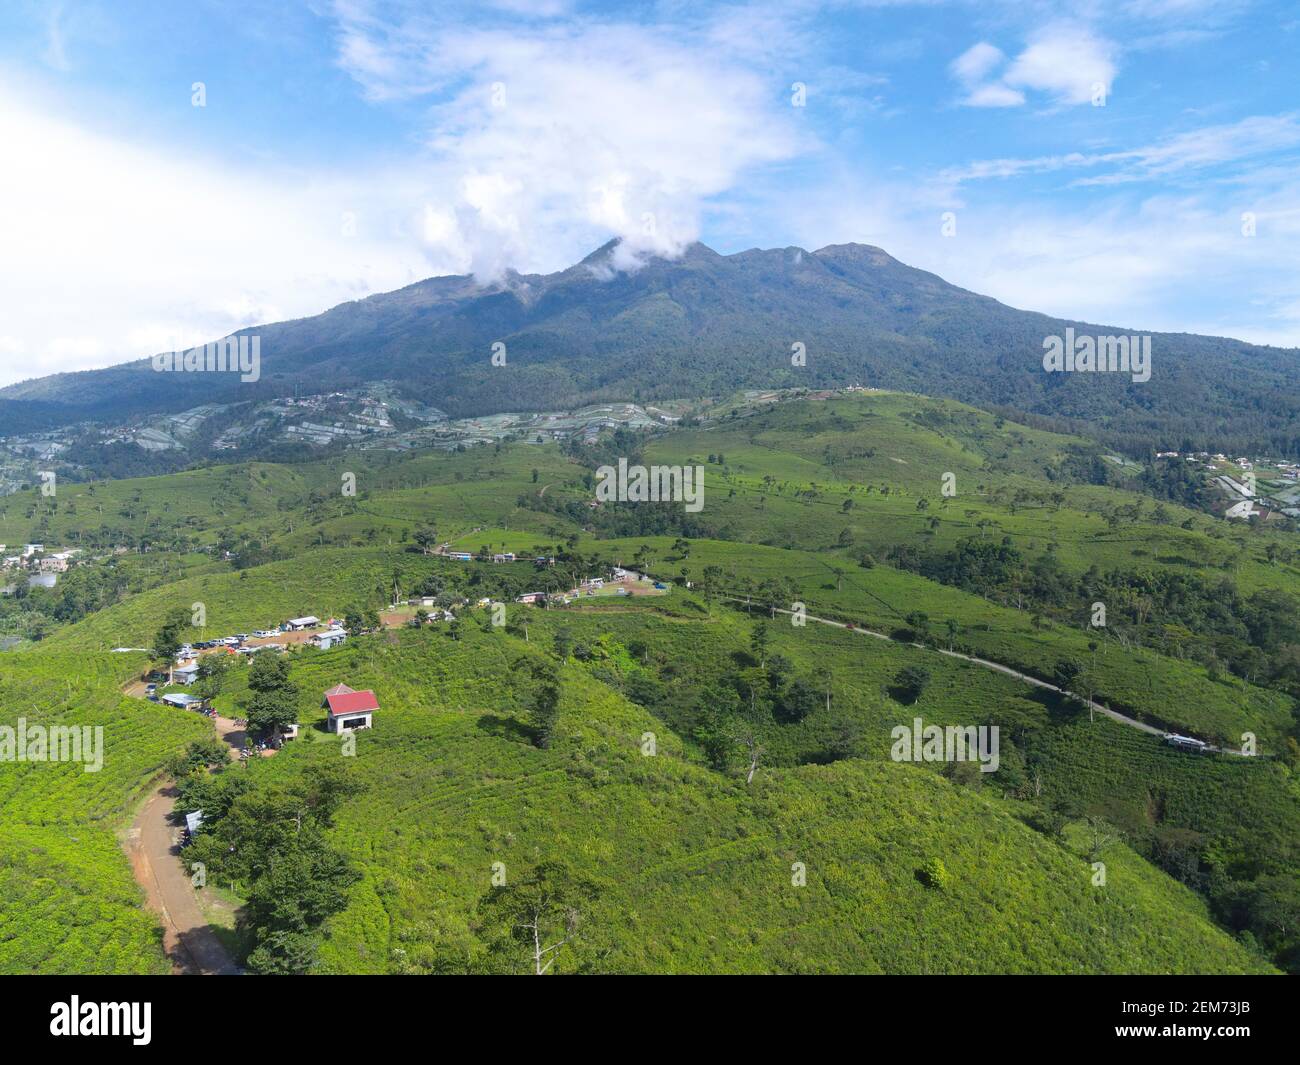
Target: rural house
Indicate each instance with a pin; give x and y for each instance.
(349, 709)
(326, 640)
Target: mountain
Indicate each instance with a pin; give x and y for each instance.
(707, 323)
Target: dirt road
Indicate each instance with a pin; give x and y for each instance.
(153, 845)
(192, 946)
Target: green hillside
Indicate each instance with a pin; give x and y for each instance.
(694, 867)
(68, 903)
(835, 503)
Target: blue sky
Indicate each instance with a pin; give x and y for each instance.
(1128, 162)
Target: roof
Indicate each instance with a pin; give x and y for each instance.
(339, 689)
(352, 703)
(310, 619)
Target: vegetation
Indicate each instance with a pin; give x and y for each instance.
(691, 781)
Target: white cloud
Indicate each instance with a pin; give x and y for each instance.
(976, 63)
(557, 136)
(1068, 63)
(994, 95)
(114, 251)
(1173, 155)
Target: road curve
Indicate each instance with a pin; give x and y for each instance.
(1114, 715)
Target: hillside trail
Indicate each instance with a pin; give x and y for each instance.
(1114, 715)
(153, 846)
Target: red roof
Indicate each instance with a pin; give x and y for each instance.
(352, 703)
(339, 689)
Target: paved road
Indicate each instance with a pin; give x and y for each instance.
(1114, 715)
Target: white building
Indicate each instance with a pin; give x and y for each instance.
(326, 640)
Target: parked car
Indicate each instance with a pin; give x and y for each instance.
(263, 634)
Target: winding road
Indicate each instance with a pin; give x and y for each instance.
(1114, 715)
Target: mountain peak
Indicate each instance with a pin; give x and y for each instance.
(858, 253)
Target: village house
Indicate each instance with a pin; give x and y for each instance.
(530, 597)
(185, 674)
(298, 624)
(349, 709)
(326, 640)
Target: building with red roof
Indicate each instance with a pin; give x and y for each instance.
(349, 709)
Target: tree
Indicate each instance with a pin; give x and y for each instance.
(919, 622)
(544, 703)
(910, 683)
(211, 675)
(169, 638)
(270, 673)
(711, 584)
(427, 537)
(1066, 674)
(563, 643)
(270, 713)
(715, 708)
(747, 737)
(758, 640)
(953, 629)
(798, 701)
(273, 707)
(542, 914)
(199, 755)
